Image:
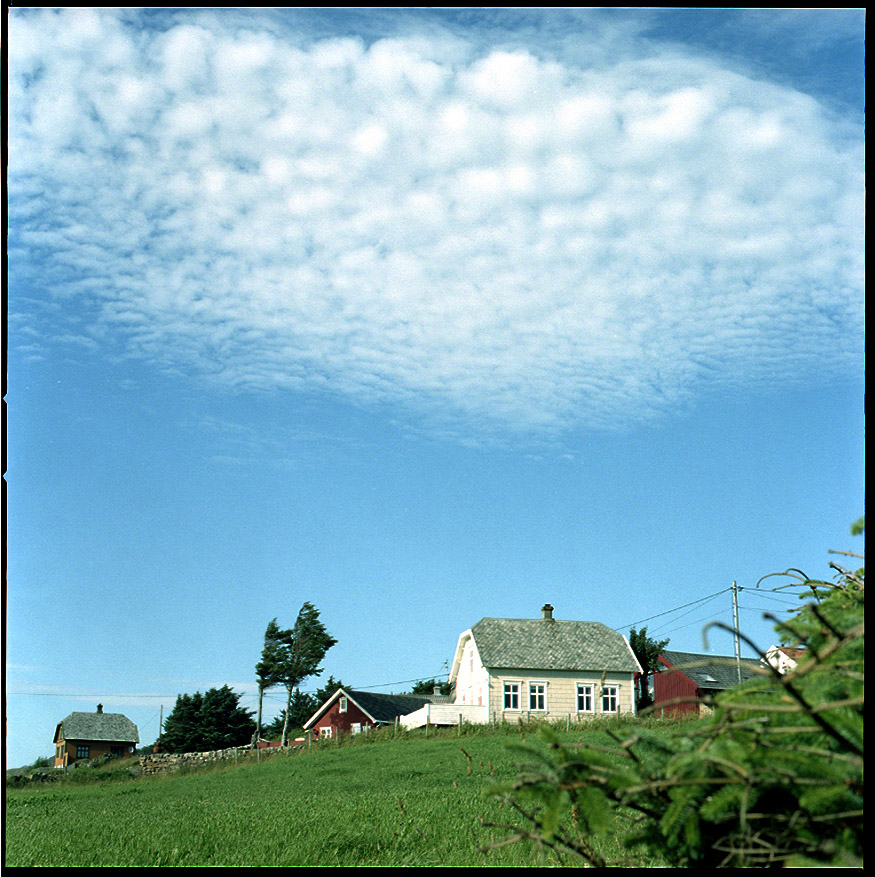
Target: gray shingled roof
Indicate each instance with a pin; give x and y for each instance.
(549, 644)
(713, 672)
(109, 727)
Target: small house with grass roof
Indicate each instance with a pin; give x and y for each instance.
(83, 736)
(544, 668)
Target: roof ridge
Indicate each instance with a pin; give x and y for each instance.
(552, 644)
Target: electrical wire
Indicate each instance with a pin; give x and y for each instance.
(623, 627)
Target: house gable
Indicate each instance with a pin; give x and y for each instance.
(686, 677)
(470, 677)
(347, 708)
(544, 667)
(89, 735)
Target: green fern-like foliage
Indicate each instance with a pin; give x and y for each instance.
(774, 777)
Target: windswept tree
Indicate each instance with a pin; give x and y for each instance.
(303, 648)
(268, 671)
(647, 652)
(302, 706)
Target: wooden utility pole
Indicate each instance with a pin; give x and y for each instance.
(735, 625)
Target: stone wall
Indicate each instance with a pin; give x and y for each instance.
(164, 762)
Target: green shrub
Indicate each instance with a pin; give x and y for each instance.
(774, 777)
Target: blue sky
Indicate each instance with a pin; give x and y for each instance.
(421, 315)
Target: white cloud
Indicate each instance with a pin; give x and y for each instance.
(506, 239)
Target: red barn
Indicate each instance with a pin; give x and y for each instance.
(685, 679)
(351, 712)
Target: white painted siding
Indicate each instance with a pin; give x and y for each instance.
(445, 714)
(472, 681)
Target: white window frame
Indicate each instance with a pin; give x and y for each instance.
(611, 695)
(587, 691)
(342, 704)
(511, 691)
(325, 731)
(538, 695)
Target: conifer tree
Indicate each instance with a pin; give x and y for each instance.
(304, 647)
(268, 669)
(328, 688)
(181, 731)
(772, 777)
(427, 686)
(203, 722)
(647, 652)
(223, 722)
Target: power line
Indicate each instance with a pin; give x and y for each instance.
(80, 695)
(673, 623)
(676, 609)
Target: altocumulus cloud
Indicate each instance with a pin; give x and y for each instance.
(493, 235)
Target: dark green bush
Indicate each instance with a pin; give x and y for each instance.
(773, 778)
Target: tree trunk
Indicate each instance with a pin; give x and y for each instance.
(286, 717)
(258, 721)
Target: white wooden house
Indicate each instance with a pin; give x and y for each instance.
(784, 658)
(510, 669)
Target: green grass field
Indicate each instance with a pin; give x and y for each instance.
(409, 801)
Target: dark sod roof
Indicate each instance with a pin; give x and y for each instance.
(713, 671)
(108, 727)
(548, 644)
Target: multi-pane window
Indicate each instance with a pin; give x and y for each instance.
(325, 732)
(538, 696)
(511, 695)
(343, 704)
(584, 698)
(83, 750)
(609, 699)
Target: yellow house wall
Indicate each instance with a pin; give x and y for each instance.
(65, 750)
(561, 693)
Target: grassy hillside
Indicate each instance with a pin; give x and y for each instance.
(385, 802)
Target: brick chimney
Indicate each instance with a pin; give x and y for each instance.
(547, 612)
